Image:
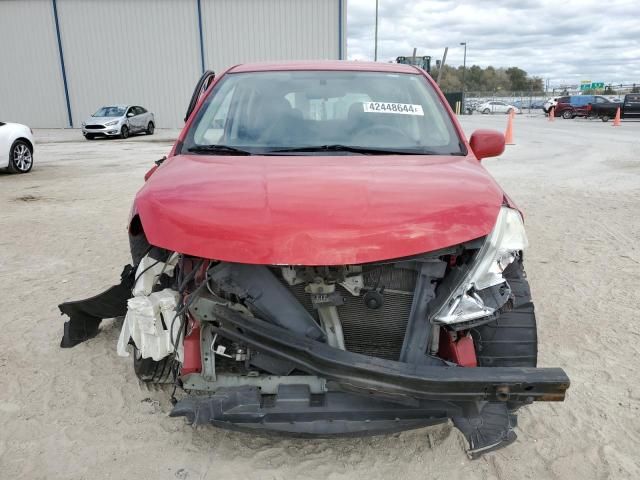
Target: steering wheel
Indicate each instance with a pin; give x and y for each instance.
(378, 131)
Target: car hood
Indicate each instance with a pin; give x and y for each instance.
(100, 120)
(316, 210)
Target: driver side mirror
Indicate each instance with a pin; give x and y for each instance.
(487, 143)
(130, 114)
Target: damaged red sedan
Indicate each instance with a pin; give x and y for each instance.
(322, 253)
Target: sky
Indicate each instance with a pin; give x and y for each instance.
(565, 41)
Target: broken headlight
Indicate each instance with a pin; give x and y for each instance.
(483, 289)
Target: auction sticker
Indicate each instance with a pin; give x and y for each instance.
(397, 108)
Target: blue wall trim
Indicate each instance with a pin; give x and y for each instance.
(64, 71)
(200, 32)
(340, 30)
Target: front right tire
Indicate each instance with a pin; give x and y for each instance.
(124, 132)
(512, 339)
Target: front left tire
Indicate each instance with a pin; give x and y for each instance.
(150, 128)
(20, 157)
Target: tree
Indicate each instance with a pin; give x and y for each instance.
(517, 78)
(490, 79)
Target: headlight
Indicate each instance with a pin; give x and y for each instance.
(114, 122)
(470, 299)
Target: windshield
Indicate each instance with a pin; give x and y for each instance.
(266, 112)
(110, 112)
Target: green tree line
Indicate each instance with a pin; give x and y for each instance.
(490, 79)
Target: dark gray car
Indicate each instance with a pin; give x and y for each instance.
(118, 121)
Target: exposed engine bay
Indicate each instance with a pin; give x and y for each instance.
(323, 350)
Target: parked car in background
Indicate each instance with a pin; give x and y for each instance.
(629, 108)
(118, 121)
(16, 147)
(577, 105)
(496, 106)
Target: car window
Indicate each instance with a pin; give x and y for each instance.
(109, 112)
(263, 111)
(141, 110)
(601, 100)
(632, 99)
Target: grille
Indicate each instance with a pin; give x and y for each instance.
(377, 333)
(93, 127)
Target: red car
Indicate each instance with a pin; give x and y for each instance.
(322, 253)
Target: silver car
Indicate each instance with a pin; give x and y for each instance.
(118, 121)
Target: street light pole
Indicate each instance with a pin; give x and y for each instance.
(375, 47)
(464, 69)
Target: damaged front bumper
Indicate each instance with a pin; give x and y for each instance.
(398, 381)
(366, 395)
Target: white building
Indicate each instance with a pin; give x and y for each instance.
(62, 59)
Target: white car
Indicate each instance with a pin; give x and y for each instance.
(118, 121)
(16, 147)
(495, 106)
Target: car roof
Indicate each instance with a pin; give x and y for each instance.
(335, 65)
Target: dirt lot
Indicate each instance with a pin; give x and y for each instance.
(80, 413)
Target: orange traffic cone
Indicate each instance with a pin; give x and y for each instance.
(616, 121)
(552, 113)
(508, 134)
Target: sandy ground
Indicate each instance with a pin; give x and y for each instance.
(81, 413)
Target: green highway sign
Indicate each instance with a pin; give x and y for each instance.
(592, 86)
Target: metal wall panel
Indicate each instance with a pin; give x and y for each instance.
(237, 31)
(31, 89)
(146, 52)
(143, 52)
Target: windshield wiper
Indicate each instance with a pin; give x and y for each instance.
(221, 149)
(349, 148)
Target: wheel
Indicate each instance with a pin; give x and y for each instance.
(486, 111)
(150, 128)
(567, 114)
(605, 118)
(512, 339)
(510, 111)
(20, 157)
(149, 371)
(124, 132)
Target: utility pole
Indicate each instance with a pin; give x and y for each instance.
(464, 69)
(375, 47)
(444, 59)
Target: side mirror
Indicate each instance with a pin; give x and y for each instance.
(487, 143)
(130, 114)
